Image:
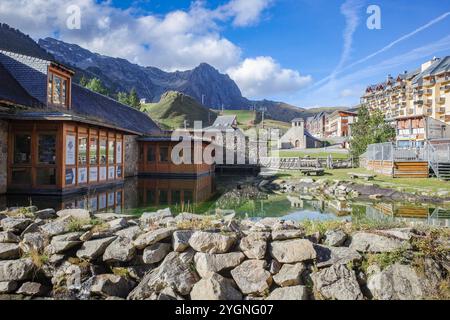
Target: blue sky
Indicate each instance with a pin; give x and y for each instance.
(287, 50)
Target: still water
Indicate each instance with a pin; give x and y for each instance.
(206, 194)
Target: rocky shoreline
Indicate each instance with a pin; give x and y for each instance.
(73, 254)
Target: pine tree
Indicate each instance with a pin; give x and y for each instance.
(83, 81)
(96, 86)
(133, 99)
(122, 97)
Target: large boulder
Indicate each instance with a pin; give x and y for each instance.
(120, 250)
(289, 293)
(335, 238)
(110, 285)
(175, 272)
(215, 287)
(396, 282)
(374, 243)
(209, 242)
(180, 240)
(16, 270)
(292, 251)
(93, 249)
(206, 263)
(327, 256)
(252, 278)
(149, 238)
(289, 275)
(156, 252)
(9, 251)
(254, 245)
(16, 225)
(337, 283)
(78, 214)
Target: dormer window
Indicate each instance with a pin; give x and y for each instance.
(58, 88)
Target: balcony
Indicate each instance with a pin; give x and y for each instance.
(410, 111)
(418, 102)
(429, 82)
(440, 110)
(428, 92)
(428, 102)
(440, 100)
(445, 88)
(428, 111)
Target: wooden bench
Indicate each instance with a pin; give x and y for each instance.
(367, 177)
(309, 171)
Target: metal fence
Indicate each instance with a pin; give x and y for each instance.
(390, 152)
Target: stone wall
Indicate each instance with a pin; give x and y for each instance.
(3, 155)
(131, 156)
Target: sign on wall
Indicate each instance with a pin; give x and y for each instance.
(70, 177)
(119, 172)
(111, 173)
(93, 174)
(82, 175)
(119, 152)
(70, 150)
(102, 173)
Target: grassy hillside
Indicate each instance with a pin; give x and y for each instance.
(249, 119)
(174, 108)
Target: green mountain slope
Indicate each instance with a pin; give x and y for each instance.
(174, 108)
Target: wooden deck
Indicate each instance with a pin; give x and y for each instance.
(397, 169)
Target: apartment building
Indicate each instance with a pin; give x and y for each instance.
(338, 124)
(409, 99)
(316, 125)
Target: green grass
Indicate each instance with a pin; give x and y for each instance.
(302, 154)
(411, 185)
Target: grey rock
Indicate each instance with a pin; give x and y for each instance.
(78, 214)
(206, 263)
(327, 256)
(120, 250)
(16, 270)
(33, 289)
(9, 237)
(215, 287)
(292, 251)
(45, 214)
(289, 275)
(274, 266)
(110, 285)
(93, 249)
(335, 238)
(208, 242)
(180, 240)
(396, 282)
(374, 243)
(33, 241)
(399, 233)
(117, 224)
(149, 238)
(337, 283)
(289, 293)
(62, 243)
(254, 246)
(33, 227)
(175, 272)
(130, 233)
(287, 234)
(9, 251)
(56, 227)
(16, 225)
(251, 277)
(149, 218)
(8, 286)
(156, 252)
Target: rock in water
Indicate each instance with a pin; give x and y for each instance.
(396, 282)
(175, 272)
(289, 293)
(215, 287)
(16, 270)
(251, 277)
(374, 243)
(205, 263)
(209, 242)
(337, 283)
(289, 275)
(292, 251)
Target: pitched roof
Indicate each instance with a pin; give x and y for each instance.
(223, 122)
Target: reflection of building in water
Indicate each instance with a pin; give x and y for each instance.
(160, 192)
(296, 202)
(339, 208)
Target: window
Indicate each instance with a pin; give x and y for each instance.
(163, 154)
(22, 148)
(176, 197)
(93, 148)
(151, 154)
(111, 152)
(163, 197)
(103, 151)
(150, 197)
(21, 176)
(47, 148)
(82, 151)
(57, 90)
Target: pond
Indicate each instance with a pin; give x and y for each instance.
(207, 194)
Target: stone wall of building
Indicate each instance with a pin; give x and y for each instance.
(3, 156)
(131, 156)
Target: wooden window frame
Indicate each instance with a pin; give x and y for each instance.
(52, 72)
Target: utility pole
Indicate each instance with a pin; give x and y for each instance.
(263, 110)
(203, 99)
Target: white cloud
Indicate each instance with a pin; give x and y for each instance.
(263, 76)
(245, 12)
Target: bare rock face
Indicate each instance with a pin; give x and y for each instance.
(33, 289)
(93, 249)
(78, 214)
(252, 278)
(337, 283)
(289, 293)
(110, 285)
(254, 246)
(120, 250)
(215, 287)
(175, 272)
(180, 240)
(149, 238)
(209, 242)
(396, 282)
(374, 243)
(292, 251)
(9, 251)
(16, 270)
(206, 263)
(289, 275)
(335, 238)
(156, 252)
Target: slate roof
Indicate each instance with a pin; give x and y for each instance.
(23, 81)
